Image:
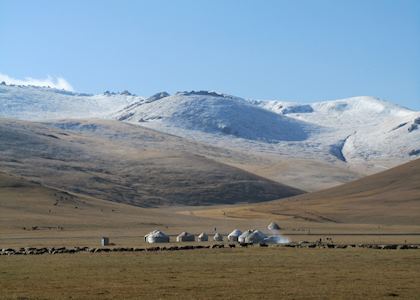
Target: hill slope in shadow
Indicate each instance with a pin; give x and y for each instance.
(125, 163)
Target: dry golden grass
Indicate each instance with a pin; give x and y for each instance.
(253, 273)
(84, 220)
(129, 164)
(390, 198)
(306, 174)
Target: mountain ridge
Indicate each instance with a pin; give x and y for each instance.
(364, 133)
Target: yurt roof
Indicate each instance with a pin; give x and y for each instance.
(156, 233)
(184, 233)
(247, 232)
(256, 236)
(236, 232)
(273, 226)
(217, 236)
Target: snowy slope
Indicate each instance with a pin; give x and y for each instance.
(217, 114)
(359, 128)
(345, 113)
(363, 131)
(37, 103)
(396, 137)
(356, 131)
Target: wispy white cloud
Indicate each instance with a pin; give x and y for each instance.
(58, 82)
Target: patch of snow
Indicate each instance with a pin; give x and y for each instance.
(355, 131)
(36, 103)
(359, 128)
(214, 113)
(384, 141)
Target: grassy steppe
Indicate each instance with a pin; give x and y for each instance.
(253, 273)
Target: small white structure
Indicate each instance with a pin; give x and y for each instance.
(273, 226)
(185, 237)
(242, 237)
(104, 241)
(203, 237)
(234, 235)
(156, 236)
(218, 237)
(255, 237)
(252, 236)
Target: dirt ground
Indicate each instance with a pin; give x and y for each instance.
(252, 273)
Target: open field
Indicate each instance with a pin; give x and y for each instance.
(252, 273)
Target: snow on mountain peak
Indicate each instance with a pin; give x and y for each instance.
(358, 128)
(39, 103)
(362, 104)
(49, 82)
(355, 129)
(212, 112)
(157, 96)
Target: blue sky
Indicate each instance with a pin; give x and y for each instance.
(291, 50)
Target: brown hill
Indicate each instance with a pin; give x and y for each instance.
(391, 197)
(124, 163)
(27, 205)
(35, 215)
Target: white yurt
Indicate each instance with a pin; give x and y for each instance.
(273, 226)
(203, 237)
(255, 237)
(156, 236)
(242, 237)
(218, 237)
(185, 237)
(233, 236)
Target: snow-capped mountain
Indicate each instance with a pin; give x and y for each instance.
(344, 113)
(362, 131)
(364, 128)
(395, 137)
(39, 103)
(214, 113)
